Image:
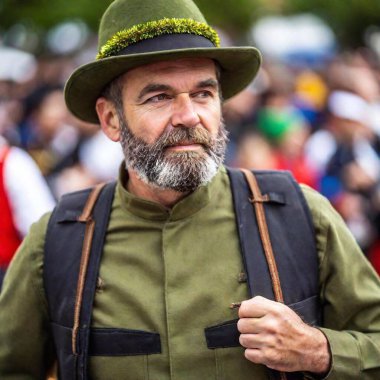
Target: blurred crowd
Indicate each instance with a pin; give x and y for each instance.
(321, 122)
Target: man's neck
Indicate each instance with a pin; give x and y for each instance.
(166, 197)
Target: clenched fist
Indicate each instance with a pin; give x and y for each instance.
(274, 335)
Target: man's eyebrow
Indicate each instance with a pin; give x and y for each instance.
(152, 87)
(208, 83)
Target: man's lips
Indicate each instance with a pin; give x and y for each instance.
(185, 145)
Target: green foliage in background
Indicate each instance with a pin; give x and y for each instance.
(47, 13)
(348, 18)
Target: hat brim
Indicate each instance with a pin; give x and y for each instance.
(239, 66)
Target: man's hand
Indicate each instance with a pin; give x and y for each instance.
(274, 335)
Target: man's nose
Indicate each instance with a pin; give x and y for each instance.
(184, 112)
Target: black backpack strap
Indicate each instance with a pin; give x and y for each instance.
(255, 265)
(258, 200)
(292, 238)
(291, 233)
(70, 284)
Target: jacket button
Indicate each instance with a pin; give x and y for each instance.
(242, 277)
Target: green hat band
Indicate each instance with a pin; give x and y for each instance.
(152, 29)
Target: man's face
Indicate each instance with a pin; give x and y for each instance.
(172, 134)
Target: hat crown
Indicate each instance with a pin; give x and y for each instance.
(125, 14)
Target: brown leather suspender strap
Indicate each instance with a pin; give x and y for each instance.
(85, 217)
(257, 200)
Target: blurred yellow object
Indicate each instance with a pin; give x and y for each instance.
(311, 87)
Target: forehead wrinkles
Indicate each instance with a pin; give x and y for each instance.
(184, 69)
(188, 66)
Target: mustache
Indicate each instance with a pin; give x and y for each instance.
(197, 135)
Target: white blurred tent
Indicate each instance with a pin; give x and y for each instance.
(67, 37)
(297, 39)
(16, 65)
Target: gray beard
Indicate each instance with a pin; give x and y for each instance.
(180, 171)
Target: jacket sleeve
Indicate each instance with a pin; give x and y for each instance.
(26, 348)
(350, 296)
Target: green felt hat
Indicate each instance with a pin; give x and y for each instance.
(134, 33)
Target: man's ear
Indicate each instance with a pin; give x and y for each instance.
(108, 117)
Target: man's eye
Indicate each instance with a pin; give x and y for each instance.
(158, 98)
(203, 94)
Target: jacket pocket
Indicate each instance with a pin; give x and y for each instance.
(123, 342)
(109, 341)
(223, 335)
(230, 362)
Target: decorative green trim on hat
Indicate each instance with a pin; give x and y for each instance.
(153, 29)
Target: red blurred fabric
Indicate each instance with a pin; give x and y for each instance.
(9, 237)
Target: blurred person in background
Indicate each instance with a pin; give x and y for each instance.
(238, 113)
(287, 131)
(309, 97)
(284, 132)
(46, 132)
(63, 146)
(24, 194)
(254, 151)
(97, 159)
(24, 198)
(17, 72)
(344, 151)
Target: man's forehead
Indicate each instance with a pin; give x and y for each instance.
(185, 65)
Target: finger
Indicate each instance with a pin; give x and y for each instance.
(249, 325)
(254, 341)
(254, 355)
(257, 307)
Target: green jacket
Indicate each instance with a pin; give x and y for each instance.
(175, 272)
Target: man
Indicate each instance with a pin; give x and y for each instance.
(171, 259)
(349, 165)
(19, 209)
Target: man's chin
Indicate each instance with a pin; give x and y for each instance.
(184, 154)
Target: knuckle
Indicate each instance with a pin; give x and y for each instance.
(247, 354)
(272, 341)
(242, 340)
(244, 309)
(241, 325)
(245, 340)
(251, 355)
(277, 310)
(272, 326)
(285, 310)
